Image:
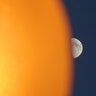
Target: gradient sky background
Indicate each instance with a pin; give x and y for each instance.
(82, 15)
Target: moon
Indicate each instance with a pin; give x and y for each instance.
(77, 47)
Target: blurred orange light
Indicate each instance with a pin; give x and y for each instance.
(35, 49)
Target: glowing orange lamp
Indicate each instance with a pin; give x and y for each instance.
(35, 49)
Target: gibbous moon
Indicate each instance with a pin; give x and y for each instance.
(77, 47)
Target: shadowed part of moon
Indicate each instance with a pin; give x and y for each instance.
(77, 47)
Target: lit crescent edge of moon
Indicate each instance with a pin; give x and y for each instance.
(77, 48)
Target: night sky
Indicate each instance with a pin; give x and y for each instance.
(82, 14)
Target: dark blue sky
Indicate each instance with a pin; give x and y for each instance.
(82, 15)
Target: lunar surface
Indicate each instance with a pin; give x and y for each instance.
(77, 47)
